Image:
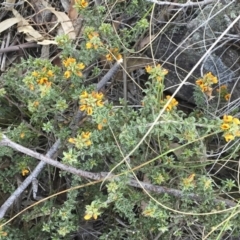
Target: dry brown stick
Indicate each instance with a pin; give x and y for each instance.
(19, 47)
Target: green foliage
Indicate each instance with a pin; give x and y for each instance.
(173, 148)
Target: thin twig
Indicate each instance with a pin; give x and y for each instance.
(187, 4)
(109, 74)
(19, 47)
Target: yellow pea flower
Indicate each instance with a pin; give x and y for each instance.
(109, 57)
(71, 140)
(237, 133)
(88, 216)
(84, 95)
(89, 111)
(80, 66)
(31, 87)
(42, 81)
(68, 61)
(169, 108)
(225, 126)
(86, 135)
(236, 121)
(82, 3)
(99, 103)
(25, 172)
(89, 45)
(83, 107)
(227, 96)
(229, 137)
(227, 118)
(67, 74)
(88, 143)
(34, 74)
(79, 73)
(148, 69)
(199, 82)
(50, 73)
(36, 103)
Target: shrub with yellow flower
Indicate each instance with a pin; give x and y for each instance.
(69, 61)
(90, 101)
(158, 73)
(22, 135)
(42, 78)
(2, 233)
(113, 54)
(94, 40)
(231, 127)
(81, 4)
(67, 74)
(25, 172)
(73, 67)
(189, 181)
(224, 92)
(206, 83)
(173, 103)
(102, 124)
(92, 211)
(82, 140)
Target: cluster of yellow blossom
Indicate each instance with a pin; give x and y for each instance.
(231, 127)
(88, 101)
(149, 212)
(92, 211)
(157, 72)
(43, 77)
(94, 40)
(3, 233)
(206, 83)
(82, 140)
(72, 67)
(189, 181)
(25, 171)
(81, 3)
(224, 92)
(113, 52)
(22, 135)
(100, 125)
(173, 103)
